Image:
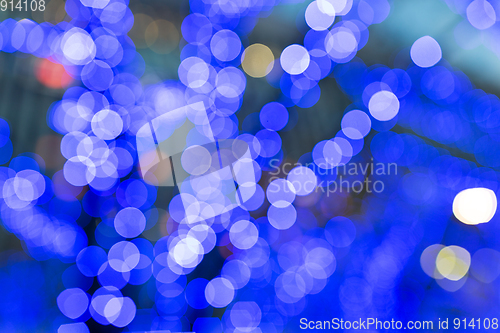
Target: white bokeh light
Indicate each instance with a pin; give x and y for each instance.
(316, 19)
(78, 47)
(426, 52)
(475, 205)
(332, 7)
(186, 252)
(383, 105)
(481, 14)
(295, 59)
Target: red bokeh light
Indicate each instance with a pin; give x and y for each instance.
(52, 75)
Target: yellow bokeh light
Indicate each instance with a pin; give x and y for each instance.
(475, 205)
(257, 60)
(141, 22)
(453, 262)
(162, 36)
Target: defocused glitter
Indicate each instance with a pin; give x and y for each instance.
(186, 198)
